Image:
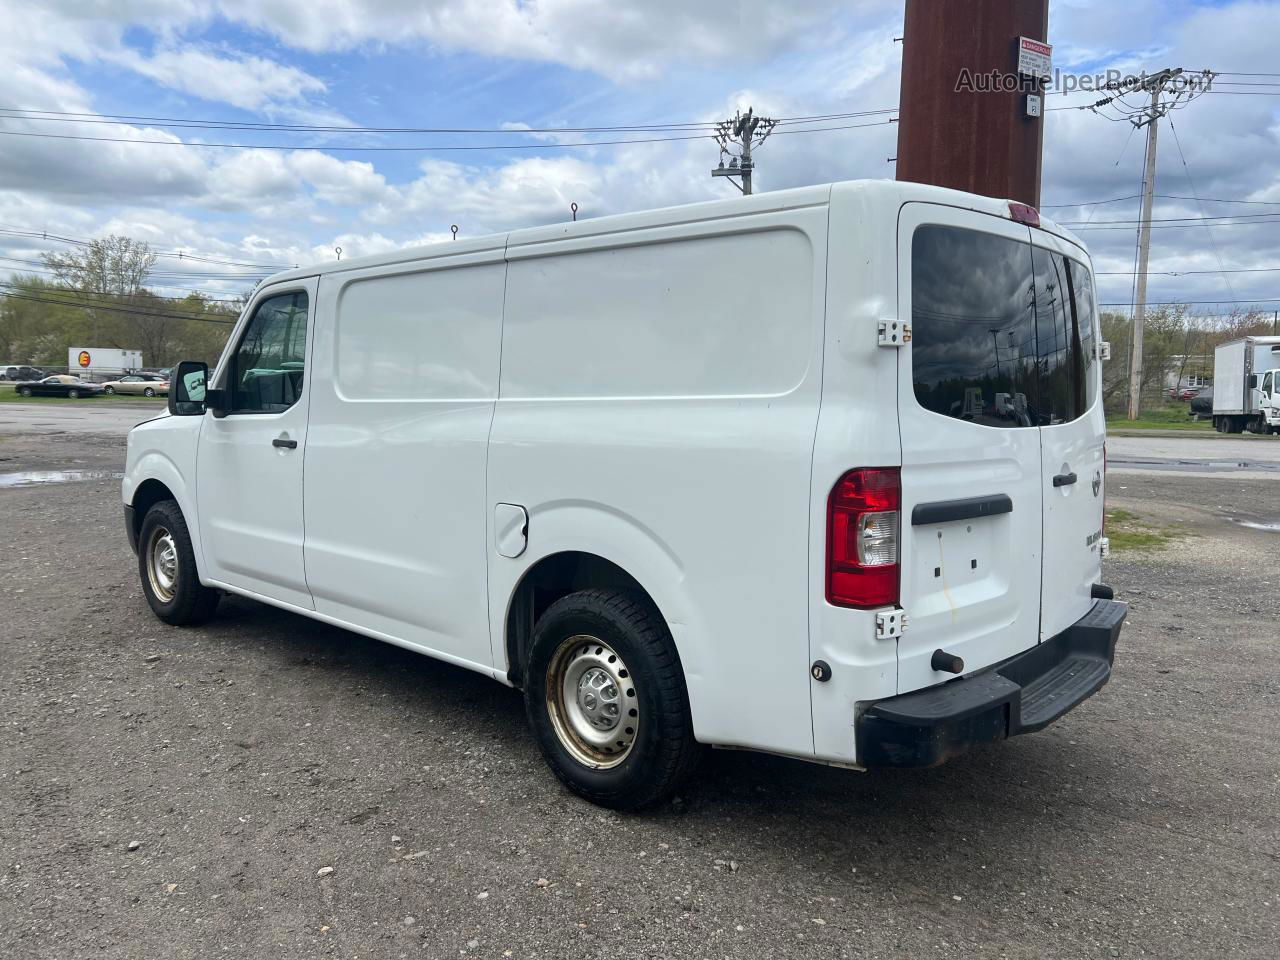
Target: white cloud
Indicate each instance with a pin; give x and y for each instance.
(250, 83)
(617, 40)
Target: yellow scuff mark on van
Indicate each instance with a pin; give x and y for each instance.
(942, 569)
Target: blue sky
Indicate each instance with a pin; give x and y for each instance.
(492, 63)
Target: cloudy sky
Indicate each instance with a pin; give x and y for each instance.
(126, 68)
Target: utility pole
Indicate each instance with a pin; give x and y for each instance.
(743, 132)
(972, 99)
(1167, 89)
(1144, 250)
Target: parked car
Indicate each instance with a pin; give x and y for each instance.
(59, 385)
(139, 385)
(21, 372)
(1186, 393)
(1202, 404)
(682, 476)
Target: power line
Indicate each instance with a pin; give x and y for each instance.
(111, 309)
(1177, 303)
(204, 298)
(63, 116)
(1225, 216)
(1184, 273)
(1159, 196)
(1176, 226)
(416, 148)
(1194, 192)
(168, 254)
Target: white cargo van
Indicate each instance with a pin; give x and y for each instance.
(816, 472)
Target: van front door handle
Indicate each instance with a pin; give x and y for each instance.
(1064, 479)
(288, 444)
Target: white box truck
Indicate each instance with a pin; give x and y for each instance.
(103, 360)
(816, 472)
(1246, 386)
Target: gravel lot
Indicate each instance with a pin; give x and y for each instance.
(248, 757)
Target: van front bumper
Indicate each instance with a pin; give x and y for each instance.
(1020, 695)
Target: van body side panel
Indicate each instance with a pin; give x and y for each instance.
(858, 427)
(658, 404)
(406, 375)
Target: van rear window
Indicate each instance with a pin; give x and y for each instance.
(1002, 333)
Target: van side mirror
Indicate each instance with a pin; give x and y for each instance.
(187, 389)
(1253, 381)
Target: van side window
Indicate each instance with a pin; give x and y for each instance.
(266, 371)
(1064, 337)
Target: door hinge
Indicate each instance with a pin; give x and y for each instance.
(894, 333)
(890, 624)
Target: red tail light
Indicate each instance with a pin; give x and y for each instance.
(863, 522)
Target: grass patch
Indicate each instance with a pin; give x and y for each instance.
(1190, 426)
(9, 395)
(1161, 418)
(1130, 533)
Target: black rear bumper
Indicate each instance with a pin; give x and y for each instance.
(1020, 695)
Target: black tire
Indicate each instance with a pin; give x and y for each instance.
(73, 394)
(663, 753)
(148, 392)
(24, 391)
(188, 602)
(108, 389)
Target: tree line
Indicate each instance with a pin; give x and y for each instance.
(1176, 345)
(99, 296)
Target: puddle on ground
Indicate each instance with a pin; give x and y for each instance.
(1256, 525)
(35, 478)
(1161, 463)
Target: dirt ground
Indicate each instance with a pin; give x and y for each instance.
(245, 757)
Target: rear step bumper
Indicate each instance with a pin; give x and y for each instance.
(1020, 695)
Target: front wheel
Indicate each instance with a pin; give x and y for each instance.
(73, 394)
(24, 391)
(606, 698)
(148, 392)
(167, 566)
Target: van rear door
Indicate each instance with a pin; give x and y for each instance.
(971, 463)
(1072, 430)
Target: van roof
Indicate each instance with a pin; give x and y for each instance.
(890, 190)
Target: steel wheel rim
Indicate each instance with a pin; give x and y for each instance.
(591, 699)
(162, 564)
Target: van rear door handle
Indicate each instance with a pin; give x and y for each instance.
(288, 444)
(1064, 479)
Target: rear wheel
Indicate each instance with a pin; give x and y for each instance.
(148, 392)
(73, 393)
(108, 389)
(167, 567)
(606, 698)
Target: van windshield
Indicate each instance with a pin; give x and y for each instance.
(1002, 333)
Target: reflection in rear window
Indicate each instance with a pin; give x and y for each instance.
(1000, 336)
